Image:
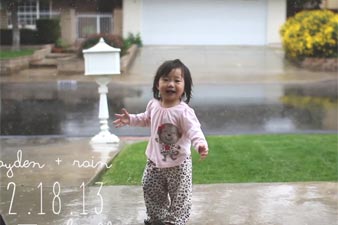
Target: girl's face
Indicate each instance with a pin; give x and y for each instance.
(171, 87)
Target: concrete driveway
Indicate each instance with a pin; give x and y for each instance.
(208, 64)
(224, 64)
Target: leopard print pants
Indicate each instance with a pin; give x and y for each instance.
(167, 192)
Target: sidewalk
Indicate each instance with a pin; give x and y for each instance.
(311, 203)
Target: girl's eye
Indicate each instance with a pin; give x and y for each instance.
(177, 81)
(165, 79)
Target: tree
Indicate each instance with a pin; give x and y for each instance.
(12, 6)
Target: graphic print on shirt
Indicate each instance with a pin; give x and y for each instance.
(168, 136)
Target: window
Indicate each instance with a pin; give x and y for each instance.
(45, 11)
(88, 24)
(31, 10)
(27, 13)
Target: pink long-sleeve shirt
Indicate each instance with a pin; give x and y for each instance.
(173, 130)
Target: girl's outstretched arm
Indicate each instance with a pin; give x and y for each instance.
(193, 128)
(122, 119)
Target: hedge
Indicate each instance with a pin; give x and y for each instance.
(311, 34)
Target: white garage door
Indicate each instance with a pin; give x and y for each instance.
(204, 22)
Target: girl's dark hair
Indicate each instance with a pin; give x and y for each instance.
(165, 69)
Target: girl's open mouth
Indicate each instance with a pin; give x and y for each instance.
(170, 91)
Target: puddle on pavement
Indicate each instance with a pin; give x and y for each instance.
(70, 108)
(289, 203)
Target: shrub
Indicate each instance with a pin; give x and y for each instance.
(132, 39)
(27, 36)
(310, 34)
(6, 36)
(49, 30)
(112, 40)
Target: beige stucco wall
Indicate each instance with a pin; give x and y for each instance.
(330, 4)
(276, 16)
(132, 10)
(68, 26)
(117, 22)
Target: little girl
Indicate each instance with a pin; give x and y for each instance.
(167, 178)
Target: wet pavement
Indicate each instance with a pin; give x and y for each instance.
(47, 120)
(221, 204)
(237, 90)
(46, 108)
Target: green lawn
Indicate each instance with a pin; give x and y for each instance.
(244, 158)
(8, 54)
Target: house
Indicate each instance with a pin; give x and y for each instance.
(163, 22)
(78, 18)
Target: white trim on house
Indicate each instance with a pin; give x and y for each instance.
(276, 16)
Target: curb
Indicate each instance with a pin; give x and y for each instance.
(124, 141)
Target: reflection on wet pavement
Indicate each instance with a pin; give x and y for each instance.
(241, 204)
(70, 107)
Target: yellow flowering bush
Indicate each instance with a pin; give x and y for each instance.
(311, 34)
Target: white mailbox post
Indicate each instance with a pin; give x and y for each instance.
(102, 62)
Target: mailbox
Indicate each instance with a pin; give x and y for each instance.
(102, 59)
(102, 62)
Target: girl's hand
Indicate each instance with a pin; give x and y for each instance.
(122, 119)
(203, 151)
